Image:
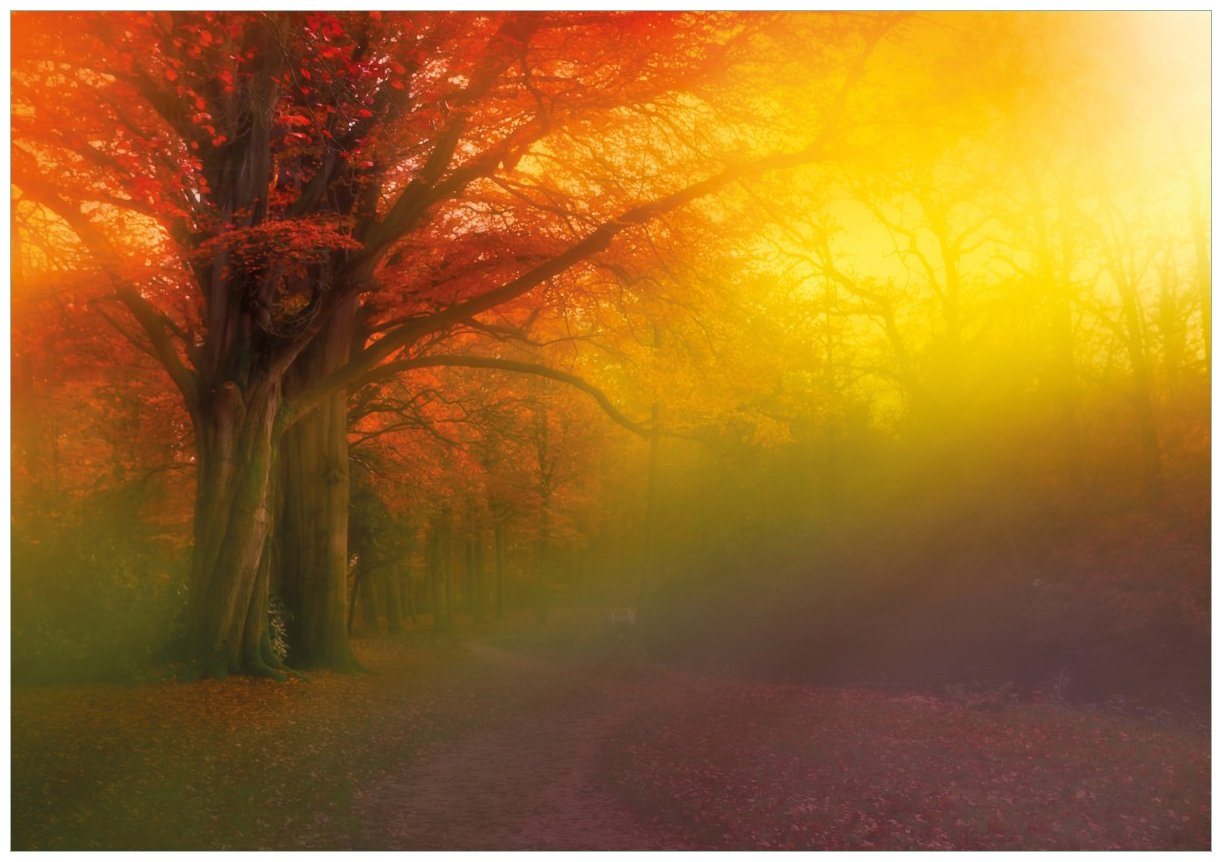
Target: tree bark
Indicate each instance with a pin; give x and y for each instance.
(227, 628)
(312, 522)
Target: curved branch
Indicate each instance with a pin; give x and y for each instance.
(517, 367)
(152, 322)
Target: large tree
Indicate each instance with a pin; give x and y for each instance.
(290, 204)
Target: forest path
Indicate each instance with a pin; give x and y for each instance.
(530, 778)
(508, 735)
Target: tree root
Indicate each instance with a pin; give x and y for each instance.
(259, 668)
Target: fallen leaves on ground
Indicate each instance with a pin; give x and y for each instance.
(728, 763)
(238, 763)
(772, 766)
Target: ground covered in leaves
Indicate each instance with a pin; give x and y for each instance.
(510, 737)
(768, 766)
(232, 764)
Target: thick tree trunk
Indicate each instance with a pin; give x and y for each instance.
(227, 615)
(312, 521)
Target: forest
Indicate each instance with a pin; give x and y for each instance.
(610, 430)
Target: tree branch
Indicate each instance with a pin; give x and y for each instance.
(512, 365)
(155, 325)
(595, 242)
(420, 194)
(151, 322)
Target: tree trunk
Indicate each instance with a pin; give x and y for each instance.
(1147, 425)
(498, 597)
(1171, 329)
(407, 591)
(447, 577)
(1065, 385)
(547, 466)
(312, 522)
(227, 629)
(650, 557)
(357, 573)
(478, 587)
(1200, 242)
(1143, 396)
(367, 597)
(389, 588)
(1052, 275)
(439, 576)
(468, 587)
(543, 570)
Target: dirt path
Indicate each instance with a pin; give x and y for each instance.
(529, 780)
